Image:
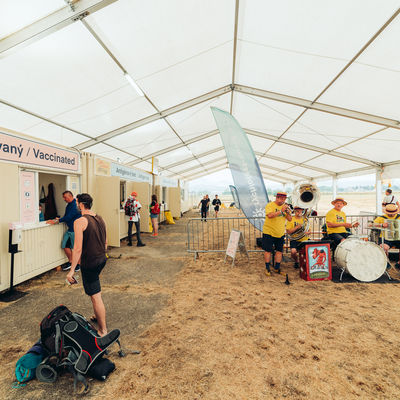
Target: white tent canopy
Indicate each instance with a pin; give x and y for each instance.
(315, 84)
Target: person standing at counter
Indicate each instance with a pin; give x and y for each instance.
(71, 214)
(90, 247)
(132, 207)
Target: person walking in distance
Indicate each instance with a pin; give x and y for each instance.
(154, 212)
(132, 207)
(90, 246)
(216, 203)
(204, 208)
(71, 214)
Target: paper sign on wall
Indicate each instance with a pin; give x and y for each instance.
(27, 190)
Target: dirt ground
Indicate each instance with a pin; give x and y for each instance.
(207, 330)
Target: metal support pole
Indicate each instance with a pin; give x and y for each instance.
(378, 191)
(334, 187)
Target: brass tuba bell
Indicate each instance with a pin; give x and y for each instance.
(305, 195)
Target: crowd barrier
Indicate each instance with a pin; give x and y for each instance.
(213, 235)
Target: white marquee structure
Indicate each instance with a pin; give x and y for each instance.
(314, 83)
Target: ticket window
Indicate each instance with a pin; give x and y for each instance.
(59, 185)
(122, 194)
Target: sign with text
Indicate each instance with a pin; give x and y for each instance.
(168, 182)
(102, 167)
(236, 241)
(315, 261)
(130, 174)
(27, 191)
(25, 151)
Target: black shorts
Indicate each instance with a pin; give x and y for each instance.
(294, 244)
(216, 208)
(269, 242)
(391, 243)
(91, 280)
(337, 237)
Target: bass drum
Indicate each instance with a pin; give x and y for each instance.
(365, 261)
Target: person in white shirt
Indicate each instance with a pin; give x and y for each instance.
(132, 207)
(389, 198)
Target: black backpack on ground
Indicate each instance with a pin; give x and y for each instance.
(73, 344)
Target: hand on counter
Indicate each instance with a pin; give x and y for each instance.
(52, 221)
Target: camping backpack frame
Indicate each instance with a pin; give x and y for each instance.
(73, 344)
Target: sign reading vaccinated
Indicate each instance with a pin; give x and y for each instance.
(130, 174)
(24, 151)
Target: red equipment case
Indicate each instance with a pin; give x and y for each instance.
(315, 260)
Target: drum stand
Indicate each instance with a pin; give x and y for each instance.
(386, 271)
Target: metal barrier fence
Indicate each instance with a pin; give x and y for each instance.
(213, 235)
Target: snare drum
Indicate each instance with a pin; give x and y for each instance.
(365, 261)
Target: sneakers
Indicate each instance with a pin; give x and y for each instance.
(140, 244)
(129, 244)
(266, 272)
(154, 235)
(78, 268)
(66, 266)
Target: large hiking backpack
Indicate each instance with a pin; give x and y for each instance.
(73, 344)
(130, 207)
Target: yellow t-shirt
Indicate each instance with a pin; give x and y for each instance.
(336, 217)
(295, 222)
(274, 226)
(381, 220)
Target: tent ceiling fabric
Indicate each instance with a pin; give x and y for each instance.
(315, 85)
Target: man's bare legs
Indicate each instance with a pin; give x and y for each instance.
(68, 253)
(100, 313)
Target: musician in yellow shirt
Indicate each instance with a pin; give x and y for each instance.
(293, 226)
(391, 213)
(276, 215)
(336, 222)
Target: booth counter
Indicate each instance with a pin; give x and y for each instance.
(24, 172)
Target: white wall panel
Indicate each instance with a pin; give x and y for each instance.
(334, 164)
(108, 112)
(263, 115)
(372, 84)
(282, 71)
(259, 144)
(146, 139)
(291, 152)
(151, 36)
(198, 119)
(17, 14)
(206, 144)
(58, 73)
(329, 29)
(174, 156)
(382, 147)
(190, 78)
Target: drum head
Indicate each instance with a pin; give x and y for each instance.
(366, 261)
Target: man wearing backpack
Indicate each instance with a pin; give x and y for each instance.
(132, 207)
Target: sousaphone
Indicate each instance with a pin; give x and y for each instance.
(306, 196)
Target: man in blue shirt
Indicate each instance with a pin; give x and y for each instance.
(71, 214)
